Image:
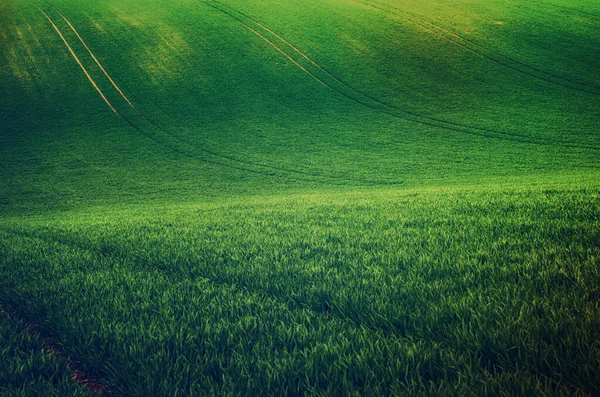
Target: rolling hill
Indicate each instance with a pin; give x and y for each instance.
(301, 197)
(191, 99)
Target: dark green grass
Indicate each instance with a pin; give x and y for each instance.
(446, 292)
(25, 370)
(353, 197)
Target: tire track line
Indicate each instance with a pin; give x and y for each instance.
(433, 32)
(137, 128)
(96, 59)
(484, 48)
(546, 76)
(389, 109)
(172, 147)
(295, 49)
(178, 146)
(274, 46)
(351, 98)
(505, 64)
(181, 151)
(315, 64)
(285, 54)
(79, 63)
(187, 150)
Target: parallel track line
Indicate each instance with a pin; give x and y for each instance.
(387, 108)
(542, 74)
(96, 59)
(79, 63)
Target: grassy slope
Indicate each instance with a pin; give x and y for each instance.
(221, 98)
(449, 243)
(438, 291)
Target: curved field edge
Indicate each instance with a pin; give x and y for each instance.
(444, 291)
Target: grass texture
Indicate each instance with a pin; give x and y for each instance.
(192, 100)
(426, 292)
(25, 369)
(340, 197)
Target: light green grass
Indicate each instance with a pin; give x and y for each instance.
(349, 197)
(416, 95)
(448, 292)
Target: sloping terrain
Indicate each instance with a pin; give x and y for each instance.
(191, 99)
(343, 197)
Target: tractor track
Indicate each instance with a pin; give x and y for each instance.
(79, 63)
(369, 101)
(154, 132)
(95, 59)
(485, 52)
(159, 136)
(516, 61)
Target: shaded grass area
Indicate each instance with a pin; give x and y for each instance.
(439, 291)
(25, 370)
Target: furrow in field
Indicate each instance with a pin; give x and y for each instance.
(357, 96)
(486, 52)
(164, 139)
(152, 137)
(116, 87)
(277, 48)
(433, 32)
(179, 147)
(300, 175)
(167, 141)
(305, 70)
(96, 387)
(549, 75)
(303, 55)
(285, 54)
(79, 63)
(106, 74)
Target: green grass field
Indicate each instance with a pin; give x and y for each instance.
(340, 197)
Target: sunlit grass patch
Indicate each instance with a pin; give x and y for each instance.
(434, 291)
